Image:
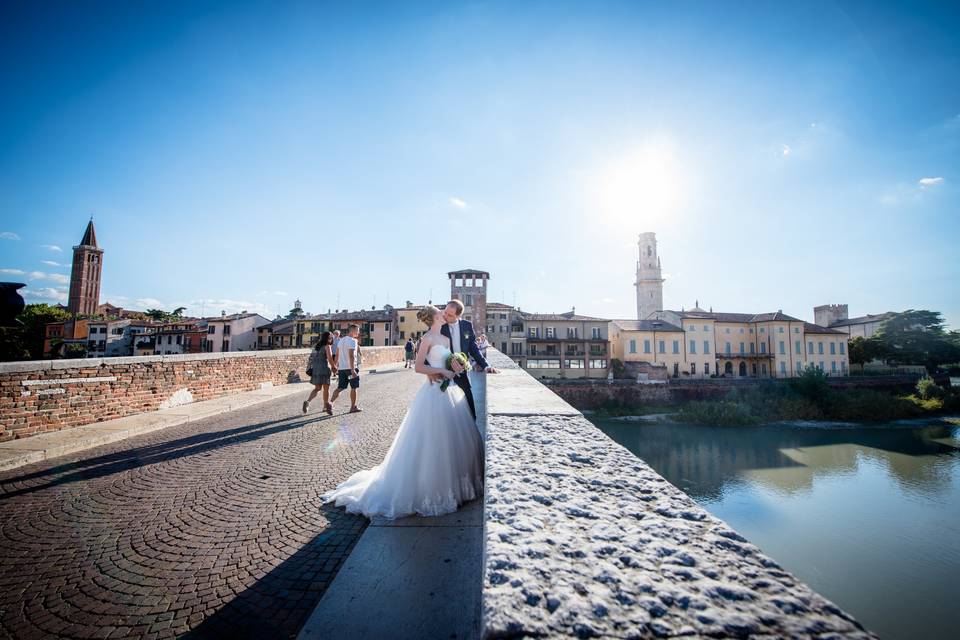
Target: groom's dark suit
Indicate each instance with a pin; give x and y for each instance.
(468, 345)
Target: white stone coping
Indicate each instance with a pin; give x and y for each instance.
(92, 363)
(583, 539)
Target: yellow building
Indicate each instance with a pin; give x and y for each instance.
(376, 326)
(408, 326)
(701, 344)
(565, 345)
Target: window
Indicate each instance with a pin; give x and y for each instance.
(782, 348)
(573, 332)
(693, 327)
(706, 368)
(516, 349)
(783, 367)
(842, 348)
(633, 346)
(676, 369)
(693, 346)
(646, 346)
(693, 368)
(727, 348)
(741, 330)
(799, 367)
(543, 364)
(798, 347)
(706, 346)
(727, 330)
(179, 339)
(676, 346)
(226, 329)
(810, 346)
(401, 335)
(663, 346)
(551, 332)
(796, 329)
(595, 333)
(821, 366)
(833, 366)
(820, 348)
(763, 347)
(779, 329)
(503, 347)
(741, 348)
(753, 348)
(403, 319)
(534, 332)
(763, 329)
(503, 316)
(598, 364)
(573, 364)
(212, 329)
(833, 348)
(706, 327)
(225, 346)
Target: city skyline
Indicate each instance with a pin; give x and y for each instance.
(241, 156)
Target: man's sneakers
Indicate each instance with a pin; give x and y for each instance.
(306, 405)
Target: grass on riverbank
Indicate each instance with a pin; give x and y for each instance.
(810, 397)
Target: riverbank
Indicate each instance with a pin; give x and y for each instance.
(809, 398)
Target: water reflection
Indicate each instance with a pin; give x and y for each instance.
(869, 516)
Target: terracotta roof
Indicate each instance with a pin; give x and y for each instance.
(370, 315)
(232, 316)
(738, 317)
(876, 317)
(646, 325)
(498, 305)
(809, 327)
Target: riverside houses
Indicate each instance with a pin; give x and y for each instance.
(377, 326)
(565, 345)
(760, 345)
(235, 332)
(275, 335)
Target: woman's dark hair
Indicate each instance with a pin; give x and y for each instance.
(324, 340)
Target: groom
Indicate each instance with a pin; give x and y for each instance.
(463, 338)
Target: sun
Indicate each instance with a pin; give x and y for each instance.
(642, 188)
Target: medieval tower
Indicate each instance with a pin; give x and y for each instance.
(469, 286)
(649, 281)
(85, 275)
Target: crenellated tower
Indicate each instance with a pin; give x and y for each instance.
(649, 279)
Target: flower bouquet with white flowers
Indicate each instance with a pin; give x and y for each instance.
(454, 357)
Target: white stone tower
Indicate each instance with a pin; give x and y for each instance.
(649, 281)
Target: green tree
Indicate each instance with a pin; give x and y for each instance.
(26, 341)
(863, 350)
(917, 337)
(294, 313)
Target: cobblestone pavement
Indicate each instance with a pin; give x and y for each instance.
(212, 529)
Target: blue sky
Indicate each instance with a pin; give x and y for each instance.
(241, 155)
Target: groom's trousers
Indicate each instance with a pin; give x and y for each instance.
(464, 383)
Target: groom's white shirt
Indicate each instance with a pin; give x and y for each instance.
(455, 336)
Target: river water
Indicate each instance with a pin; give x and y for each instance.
(867, 516)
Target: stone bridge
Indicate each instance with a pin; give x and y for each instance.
(212, 527)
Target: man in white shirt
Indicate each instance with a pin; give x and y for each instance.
(348, 366)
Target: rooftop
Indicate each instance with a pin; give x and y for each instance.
(809, 327)
(737, 317)
(875, 317)
(646, 325)
(560, 317)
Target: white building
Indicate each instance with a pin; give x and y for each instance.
(236, 332)
(649, 277)
(113, 338)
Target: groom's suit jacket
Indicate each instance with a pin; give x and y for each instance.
(468, 342)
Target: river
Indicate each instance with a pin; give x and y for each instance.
(867, 516)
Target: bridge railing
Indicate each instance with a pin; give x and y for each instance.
(48, 395)
(583, 539)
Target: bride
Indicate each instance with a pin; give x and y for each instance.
(435, 462)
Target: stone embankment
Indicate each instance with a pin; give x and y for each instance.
(596, 394)
(582, 539)
(49, 395)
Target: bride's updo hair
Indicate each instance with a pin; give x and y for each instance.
(427, 314)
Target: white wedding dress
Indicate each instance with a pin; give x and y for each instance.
(434, 464)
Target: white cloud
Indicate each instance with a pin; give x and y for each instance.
(785, 149)
(59, 277)
(9, 235)
(148, 303)
(213, 306)
(52, 247)
(46, 294)
(52, 263)
(280, 293)
(13, 272)
(37, 275)
(929, 182)
(458, 203)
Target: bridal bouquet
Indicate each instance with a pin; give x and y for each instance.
(458, 357)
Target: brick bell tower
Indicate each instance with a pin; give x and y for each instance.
(85, 276)
(469, 286)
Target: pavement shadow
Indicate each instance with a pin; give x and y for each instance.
(120, 461)
(279, 604)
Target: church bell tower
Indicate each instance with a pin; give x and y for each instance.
(85, 276)
(649, 280)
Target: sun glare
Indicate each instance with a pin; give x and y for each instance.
(640, 189)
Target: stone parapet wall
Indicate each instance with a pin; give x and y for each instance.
(49, 395)
(582, 539)
(596, 394)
